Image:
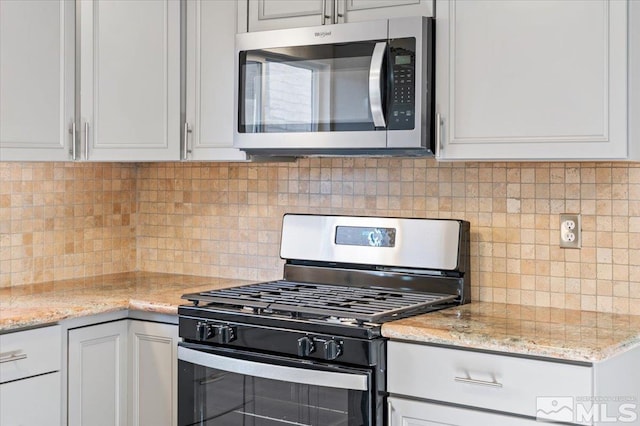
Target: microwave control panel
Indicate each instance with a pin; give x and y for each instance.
(402, 66)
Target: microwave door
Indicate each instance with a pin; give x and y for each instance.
(321, 88)
(318, 96)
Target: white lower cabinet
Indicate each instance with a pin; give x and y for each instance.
(31, 402)
(30, 389)
(153, 373)
(98, 374)
(442, 386)
(123, 373)
(432, 385)
(406, 412)
(495, 382)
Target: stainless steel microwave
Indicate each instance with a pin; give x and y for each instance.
(362, 88)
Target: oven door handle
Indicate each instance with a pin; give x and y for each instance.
(275, 372)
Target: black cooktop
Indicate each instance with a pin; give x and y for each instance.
(362, 304)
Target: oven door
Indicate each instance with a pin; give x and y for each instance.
(218, 386)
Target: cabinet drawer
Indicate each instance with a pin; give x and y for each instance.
(33, 401)
(31, 352)
(488, 381)
(404, 412)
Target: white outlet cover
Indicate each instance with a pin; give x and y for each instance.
(570, 231)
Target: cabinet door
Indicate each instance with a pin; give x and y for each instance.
(487, 381)
(211, 29)
(404, 412)
(368, 10)
(276, 14)
(98, 374)
(532, 80)
(130, 80)
(153, 373)
(31, 402)
(36, 79)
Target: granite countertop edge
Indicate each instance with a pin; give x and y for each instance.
(553, 333)
(516, 347)
(574, 336)
(30, 306)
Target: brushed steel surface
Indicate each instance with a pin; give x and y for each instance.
(275, 372)
(308, 36)
(413, 142)
(375, 90)
(420, 243)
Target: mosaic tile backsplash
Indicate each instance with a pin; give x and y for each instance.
(223, 219)
(65, 220)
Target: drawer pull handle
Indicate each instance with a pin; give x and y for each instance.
(471, 381)
(13, 356)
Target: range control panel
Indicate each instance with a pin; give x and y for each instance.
(402, 103)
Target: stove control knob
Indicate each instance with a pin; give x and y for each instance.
(203, 331)
(224, 333)
(332, 350)
(305, 346)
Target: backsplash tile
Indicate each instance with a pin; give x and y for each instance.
(223, 219)
(65, 220)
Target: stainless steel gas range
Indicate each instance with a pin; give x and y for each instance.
(308, 349)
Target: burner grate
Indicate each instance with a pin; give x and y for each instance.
(362, 304)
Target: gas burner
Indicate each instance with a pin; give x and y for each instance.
(363, 304)
(337, 283)
(345, 321)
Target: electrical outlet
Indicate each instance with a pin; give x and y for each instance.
(570, 231)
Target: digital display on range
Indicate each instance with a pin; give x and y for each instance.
(365, 236)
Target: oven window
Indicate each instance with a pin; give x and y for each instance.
(208, 396)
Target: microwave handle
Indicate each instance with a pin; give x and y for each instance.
(375, 78)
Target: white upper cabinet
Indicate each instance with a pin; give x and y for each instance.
(208, 131)
(532, 80)
(36, 80)
(130, 80)
(367, 10)
(634, 80)
(277, 14)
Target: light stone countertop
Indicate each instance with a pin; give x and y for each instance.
(51, 302)
(541, 332)
(516, 329)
